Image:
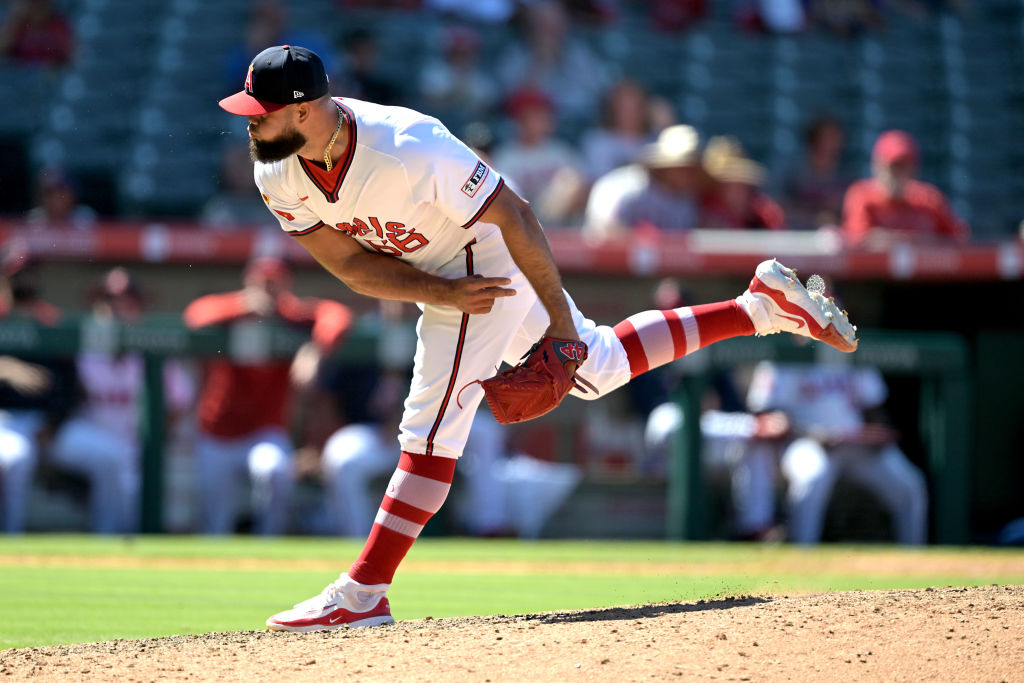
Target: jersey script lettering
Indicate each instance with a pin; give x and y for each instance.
(391, 237)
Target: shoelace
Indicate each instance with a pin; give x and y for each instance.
(328, 596)
(331, 592)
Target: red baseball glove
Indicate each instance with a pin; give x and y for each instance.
(539, 383)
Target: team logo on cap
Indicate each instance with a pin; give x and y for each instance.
(248, 80)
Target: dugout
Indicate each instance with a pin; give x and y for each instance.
(953, 366)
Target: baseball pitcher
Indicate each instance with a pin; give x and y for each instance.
(393, 205)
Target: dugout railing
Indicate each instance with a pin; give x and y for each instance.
(939, 359)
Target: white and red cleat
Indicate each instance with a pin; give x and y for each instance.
(342, 604)
(777, 302)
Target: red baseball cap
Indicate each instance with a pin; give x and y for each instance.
(894, 146)
(277, 77)
(528, 98)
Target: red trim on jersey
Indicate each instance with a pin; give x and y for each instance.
(329, 182)
(325, 181)
(299, 233)
(455, 362)
(487, 204)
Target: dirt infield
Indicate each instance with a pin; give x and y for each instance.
(932, 634)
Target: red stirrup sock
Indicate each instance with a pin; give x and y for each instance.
(653, 338)
(416, 491)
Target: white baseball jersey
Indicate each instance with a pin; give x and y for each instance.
(822, 398)
(405, 187)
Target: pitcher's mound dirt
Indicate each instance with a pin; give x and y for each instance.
(932, 634)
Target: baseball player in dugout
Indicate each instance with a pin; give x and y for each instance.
(394, 206)
(244, 403)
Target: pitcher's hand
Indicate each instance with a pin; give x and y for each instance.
(475, 294)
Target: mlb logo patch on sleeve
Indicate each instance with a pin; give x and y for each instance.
(476, 180)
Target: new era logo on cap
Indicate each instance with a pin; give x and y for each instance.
(277, 77)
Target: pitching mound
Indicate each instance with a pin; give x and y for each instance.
(932, 634)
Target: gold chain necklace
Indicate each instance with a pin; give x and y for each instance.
(337, 129)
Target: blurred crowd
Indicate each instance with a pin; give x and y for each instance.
(596, 151)
(591, 148)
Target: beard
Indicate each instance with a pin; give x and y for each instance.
(281, 147)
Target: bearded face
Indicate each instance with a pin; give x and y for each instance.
(283, 146)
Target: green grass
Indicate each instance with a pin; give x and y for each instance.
(69, 590)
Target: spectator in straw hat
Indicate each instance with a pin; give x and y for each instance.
(661, 191)
(736, 199)
(892, 206)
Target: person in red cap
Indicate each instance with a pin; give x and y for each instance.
(893, 206)
(393, 205)
(543, 169)
(243, 406)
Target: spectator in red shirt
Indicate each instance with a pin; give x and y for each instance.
(892, 206)
(243, 407)
(34, 32)
(734, 199)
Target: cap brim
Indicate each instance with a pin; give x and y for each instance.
(244, 104)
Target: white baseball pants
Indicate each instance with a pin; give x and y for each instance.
(264, 460)
(18, 457)
(812, 471)
(454, 349)
(111, 464)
